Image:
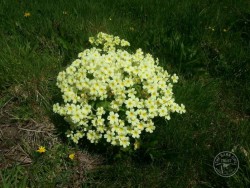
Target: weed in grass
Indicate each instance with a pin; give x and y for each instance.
(14, 177)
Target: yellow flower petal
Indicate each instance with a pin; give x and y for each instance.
(41, 149)
(27, 14)
(72, 156)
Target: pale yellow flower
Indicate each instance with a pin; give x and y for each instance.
(111, 93)
(132, 29)
(136, 145)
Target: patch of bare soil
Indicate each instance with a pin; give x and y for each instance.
(18, 139)
(86, 163)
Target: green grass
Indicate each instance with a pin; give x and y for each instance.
(207, 43)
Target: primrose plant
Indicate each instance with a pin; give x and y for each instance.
(112, 95)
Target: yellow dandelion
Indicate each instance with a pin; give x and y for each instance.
(65, 12)
(72, 156)
(225, 30)
(41, 149)
(27, 14)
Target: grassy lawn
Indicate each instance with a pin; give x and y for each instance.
(206, 43)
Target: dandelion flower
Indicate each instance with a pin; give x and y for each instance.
(41, 149)
(72, 156)
(27, 14)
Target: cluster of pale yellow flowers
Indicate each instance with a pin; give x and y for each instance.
(112, 94)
